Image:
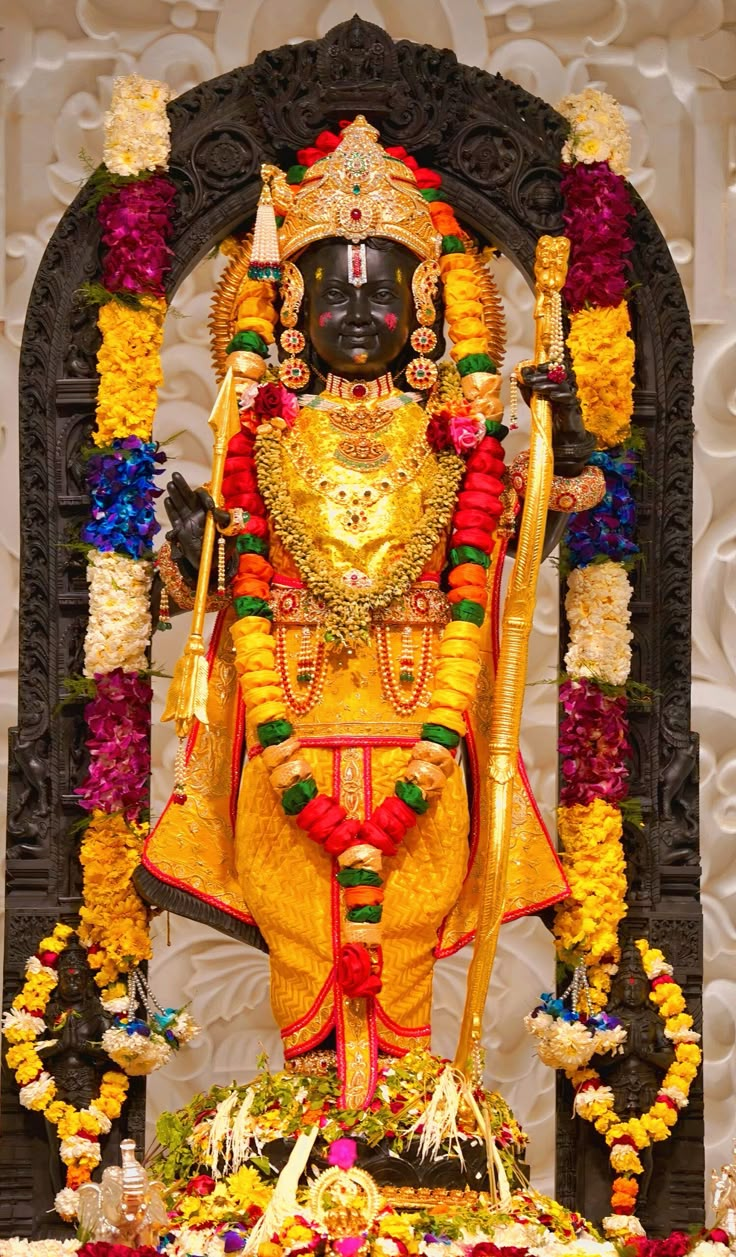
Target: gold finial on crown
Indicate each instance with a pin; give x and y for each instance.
(355, 192)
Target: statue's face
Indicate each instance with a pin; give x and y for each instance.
(72, 981)
(358, 331)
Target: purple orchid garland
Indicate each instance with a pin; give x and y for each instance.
(119, 722)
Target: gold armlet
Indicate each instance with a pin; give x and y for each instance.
(576, 493)
(177, 588)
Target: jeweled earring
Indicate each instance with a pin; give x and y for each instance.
(422, 371)
(294, 372)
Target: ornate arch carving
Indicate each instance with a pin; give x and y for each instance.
(497, 148)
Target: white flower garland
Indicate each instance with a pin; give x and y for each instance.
(598, 130)
(119, 627)
(597, 608)
(137, 128)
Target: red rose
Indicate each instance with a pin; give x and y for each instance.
(355, 972)
(201, 1185)
(717, 1236)
(675, 1245)
(272, 400)
(48, 958)
(438, 433)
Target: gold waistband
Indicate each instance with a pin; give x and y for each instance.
(425, 604)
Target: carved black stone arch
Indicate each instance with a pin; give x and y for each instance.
(498, 150)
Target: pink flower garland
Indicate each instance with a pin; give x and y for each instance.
(594, 746)
(118, 719)
(597, 209)
(136, 223)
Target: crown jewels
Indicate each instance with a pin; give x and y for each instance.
(355, 192)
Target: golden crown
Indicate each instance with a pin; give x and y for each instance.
(354, 192)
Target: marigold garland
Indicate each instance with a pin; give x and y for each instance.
(113, 919)
(129, 366)
(593, 731)
(79, 1130)
(595, 1102)
(603, 360)
(586, 923)
(136, 224)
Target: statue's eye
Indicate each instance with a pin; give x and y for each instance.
(333, 295)
(384, 294)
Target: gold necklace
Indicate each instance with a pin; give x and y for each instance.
(357, 390)
(348, 610)
(357, 500)
(359, 449)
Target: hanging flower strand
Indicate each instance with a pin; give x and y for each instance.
(596, 215)
(135, 218)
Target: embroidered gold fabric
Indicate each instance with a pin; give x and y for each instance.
(361, 519)
(264, 866)
(424, 604)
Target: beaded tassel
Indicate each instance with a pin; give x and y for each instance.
(180, 773)
(164, 611)
(221, 567)
(265, 257)
(306, 661)
(406, 661)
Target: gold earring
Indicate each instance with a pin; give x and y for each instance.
(422, 371)
(292, 294)
(293, 373)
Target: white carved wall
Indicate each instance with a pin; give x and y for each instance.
(672, 64)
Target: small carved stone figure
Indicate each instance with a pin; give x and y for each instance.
(76, 1023)
(636, 1073)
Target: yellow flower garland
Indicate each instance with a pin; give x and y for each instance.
(114, 919)
(586, 923)
(595, 1103)
(603, 359)
(129, 366)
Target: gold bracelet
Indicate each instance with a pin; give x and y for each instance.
(567, 494)
(177, 588)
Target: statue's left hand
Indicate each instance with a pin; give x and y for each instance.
(572, 445)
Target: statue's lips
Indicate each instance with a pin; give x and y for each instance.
(357, 338)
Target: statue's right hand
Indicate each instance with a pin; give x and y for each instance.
(187, 510)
